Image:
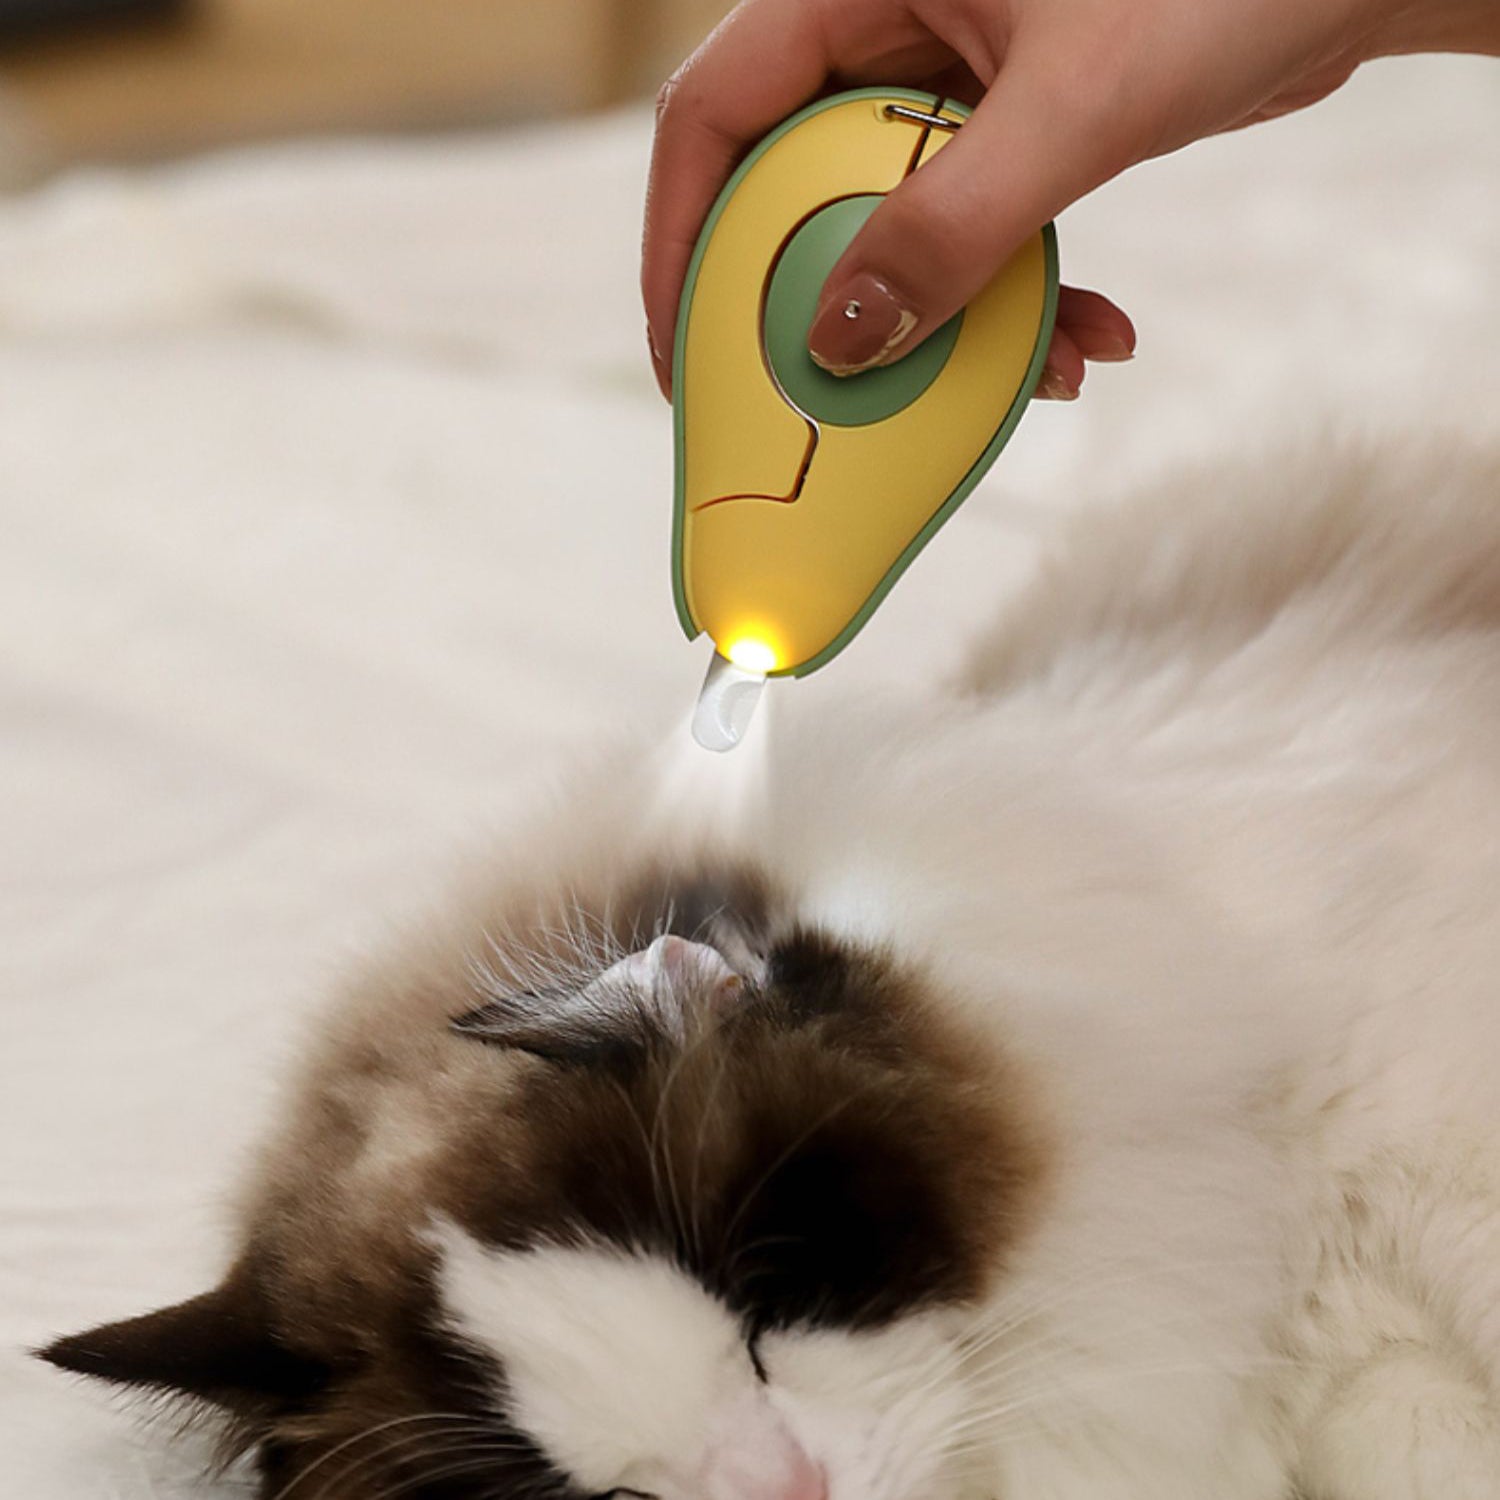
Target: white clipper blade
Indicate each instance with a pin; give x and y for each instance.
(726, 704)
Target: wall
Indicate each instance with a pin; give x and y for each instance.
(230, 70)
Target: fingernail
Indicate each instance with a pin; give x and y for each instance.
(659, 365)
(1109, 350)
(1054, 388)
(861, 326)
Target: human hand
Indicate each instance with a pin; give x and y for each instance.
(1068, 93)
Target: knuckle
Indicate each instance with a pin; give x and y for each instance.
(683, 106)
(924, 238)
(668, 96)
(683, 97)
(901, 234)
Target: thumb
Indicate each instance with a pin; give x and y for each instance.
(943, 233)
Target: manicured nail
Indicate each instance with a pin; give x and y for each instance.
(1054, 388)
(1109, 349)
(861, 326)
(659, 365)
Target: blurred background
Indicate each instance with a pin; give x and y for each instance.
(109, 80)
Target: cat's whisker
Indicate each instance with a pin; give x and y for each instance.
(664, 1100)
(664, 1156)
(369, 1432)
(726, 1060)
(609, 928)
(947, 1356)
(667, 920)
(929, 1376)
(1083, 1281)
(462, 1460)
(428, 1443)
(397, 1452)
(560, 958)
(1062, 1389)
(705, 923)
(475, 1459)
(593, 935)
(514, 966)
(1086, 1283)
(647, 1142)
(742, 1282)
(1005, 1360)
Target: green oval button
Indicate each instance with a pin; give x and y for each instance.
(791, 301)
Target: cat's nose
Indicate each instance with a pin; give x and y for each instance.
(761, 1462)
(804, 1480)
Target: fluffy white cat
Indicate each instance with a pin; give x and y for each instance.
(1079, 1083)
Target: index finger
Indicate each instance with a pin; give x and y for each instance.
(765, 60)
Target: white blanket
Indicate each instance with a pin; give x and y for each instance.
(334, 502)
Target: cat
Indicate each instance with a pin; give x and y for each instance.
(1076, 1081)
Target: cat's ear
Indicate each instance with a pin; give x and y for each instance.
(643, 1000)
(545, 1025)
(216, 1347)
(731, 912)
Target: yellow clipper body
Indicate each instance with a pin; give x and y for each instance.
(801, 497)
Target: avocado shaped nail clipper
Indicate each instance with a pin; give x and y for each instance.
(802, 496)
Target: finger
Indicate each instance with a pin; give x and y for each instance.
(1099, 329)
(1062, 375)
(929, 68)
(1034, 144)
(957, 82)
(767, 59)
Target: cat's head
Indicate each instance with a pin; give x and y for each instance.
(702, 1217)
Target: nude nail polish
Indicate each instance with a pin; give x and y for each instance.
(1053, 387)
(861, 326)
(1111, 349)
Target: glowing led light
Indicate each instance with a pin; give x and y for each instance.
(752, 655)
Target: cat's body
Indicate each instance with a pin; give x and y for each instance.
(1081, 1083)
